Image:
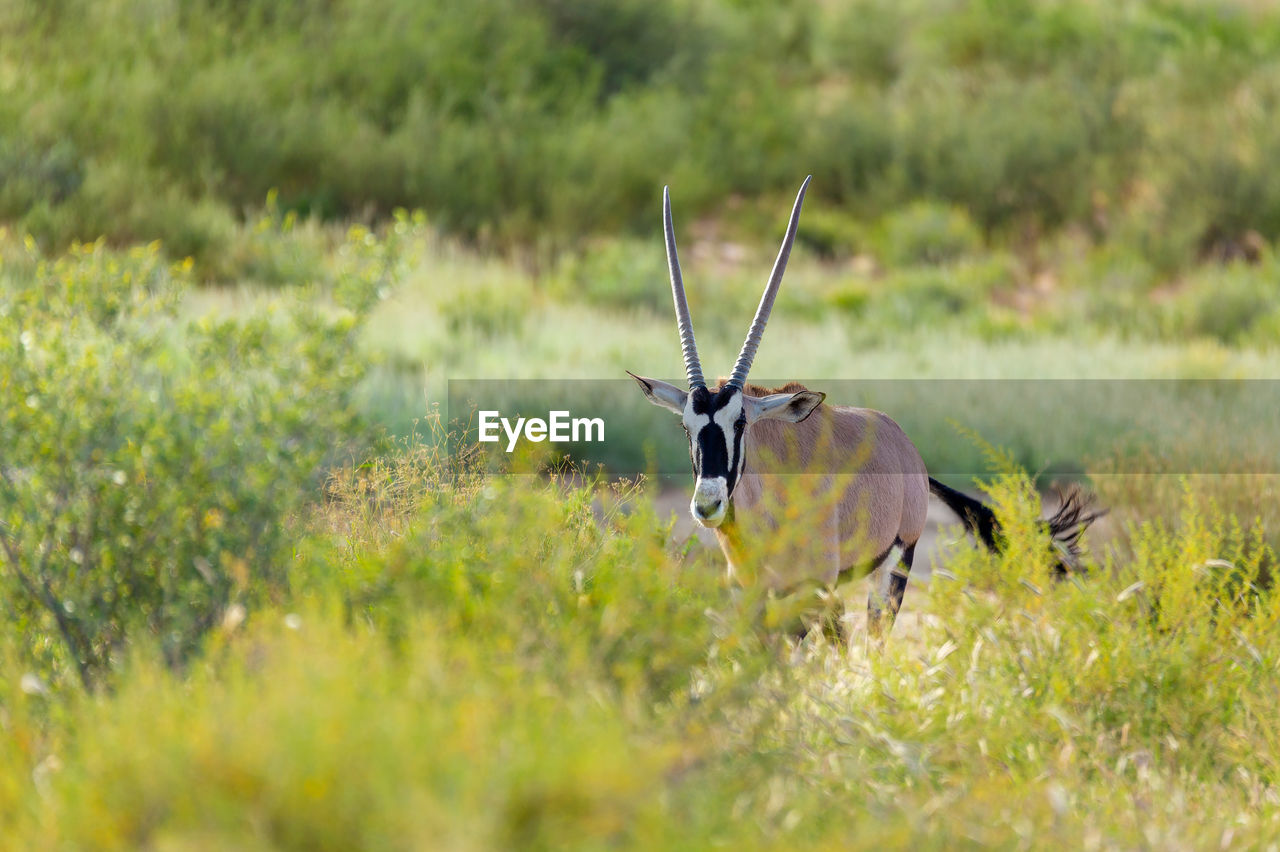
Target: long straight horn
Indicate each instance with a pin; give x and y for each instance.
(748, 354)
(692, 366)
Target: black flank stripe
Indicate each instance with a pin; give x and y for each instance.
(846, 573)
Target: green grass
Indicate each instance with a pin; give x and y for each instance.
(507, 670)
(237, 617)
(419, 654)
(457, 316)
(445, 312)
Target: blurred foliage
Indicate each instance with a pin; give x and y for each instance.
(927, 233)
(151, 463)
(411, 653)
(541, 124)
(226, 632)
(620, 274)
(481, 662)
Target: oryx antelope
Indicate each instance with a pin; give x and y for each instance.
(799, 491)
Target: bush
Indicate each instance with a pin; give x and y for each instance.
(1231, 304)
(830, 232)
(1216, 200)
(577, 683)
(620, 274)
(152, 464)
(866, 39)
(924, 297)
(558, 602)
(33, 175)
(1011, 151)
(927, 233)
(544, 125)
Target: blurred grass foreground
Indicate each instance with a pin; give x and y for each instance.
(248, 602)
(235, 618)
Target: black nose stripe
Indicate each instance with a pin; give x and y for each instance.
(714, 453)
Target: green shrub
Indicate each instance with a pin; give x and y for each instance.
(573, 599)
(923, 297)
(508, 671)
(518, 124)
(630, 41)
(626, 274)
(830, 232)
(1230, 304)
(613, 166)
(926, 233)
(486, 312)
(1217, 199)
(849, 143)
(31, 175)
(151, 465)
(866, 39)
(1008, 150)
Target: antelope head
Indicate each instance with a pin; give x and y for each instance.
(717, 421)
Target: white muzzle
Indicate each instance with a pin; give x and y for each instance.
(710, 501)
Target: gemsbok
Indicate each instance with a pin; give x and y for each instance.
(802, 492)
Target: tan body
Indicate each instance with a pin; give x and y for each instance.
(851, 474)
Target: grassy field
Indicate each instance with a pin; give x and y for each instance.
(251, 601)
(483, 663)
(420, 655)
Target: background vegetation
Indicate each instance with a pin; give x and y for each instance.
(247, 602)
(542, 124)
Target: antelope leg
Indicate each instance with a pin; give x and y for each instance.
(888, 585)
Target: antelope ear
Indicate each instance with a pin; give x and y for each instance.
(790, 407)
(660, 393)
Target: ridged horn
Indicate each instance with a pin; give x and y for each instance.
(692, 366)
(748, 354)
